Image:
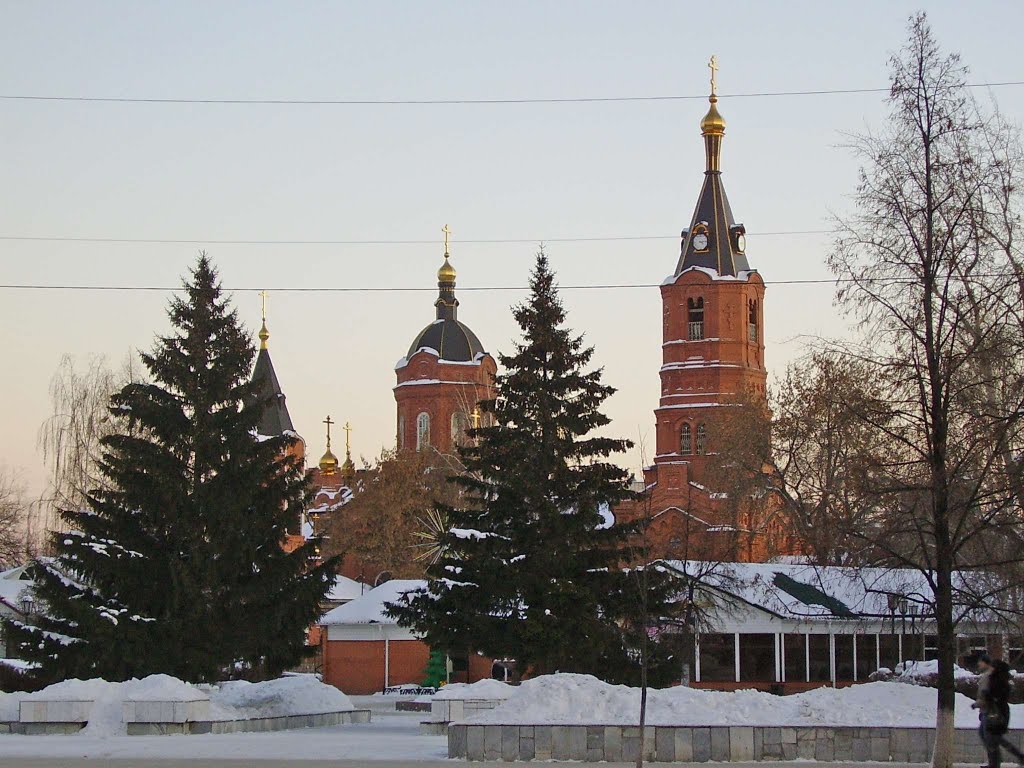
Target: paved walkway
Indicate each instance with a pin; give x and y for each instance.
(150, 763)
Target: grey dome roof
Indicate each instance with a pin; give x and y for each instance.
(451, 339)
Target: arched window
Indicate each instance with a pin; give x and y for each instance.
(422, 431)
(460, 423)
(686, 439)
(702, 438)
(695, 312)
(401, 432)
(752, 320)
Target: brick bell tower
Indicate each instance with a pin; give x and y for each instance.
(443, 377)
(712, 351)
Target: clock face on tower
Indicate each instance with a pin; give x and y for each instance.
(741, 242)
(700, 241)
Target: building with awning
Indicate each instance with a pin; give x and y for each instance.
(788, 626)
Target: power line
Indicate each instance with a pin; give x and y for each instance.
(428, 102)
(494, 241)
(404, 289)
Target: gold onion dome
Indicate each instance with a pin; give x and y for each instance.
(713, 123)
(446, 274)
(328, 463)
(264, 335)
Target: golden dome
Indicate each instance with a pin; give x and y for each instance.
(264, 335)
(446, 274)
(713, 123)
(328, 463)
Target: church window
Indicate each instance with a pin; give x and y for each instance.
(702, 434)
(752, 320)
(422, 431)
(686, 440)
(695, 309)
(460, 423)
(401, 432)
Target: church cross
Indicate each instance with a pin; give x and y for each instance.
(348, 436)
(263, 298)
(328, 422)
(713, 66)
(447, 232)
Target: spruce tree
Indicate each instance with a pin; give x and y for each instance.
(177, 564)
(531, 568)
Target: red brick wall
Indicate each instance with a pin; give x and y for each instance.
(357, 666)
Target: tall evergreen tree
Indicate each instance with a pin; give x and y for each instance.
(531, 567)
(176, 566)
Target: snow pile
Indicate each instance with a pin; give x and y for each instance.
(294, 695)
(235, 700)
(481, 689)
(569, 699)
(911, 671)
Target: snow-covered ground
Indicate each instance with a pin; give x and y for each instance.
(581, 699)
(391, 736)
(561, 699)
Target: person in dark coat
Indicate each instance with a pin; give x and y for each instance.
(993, 707)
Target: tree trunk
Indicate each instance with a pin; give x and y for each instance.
(942, 757)
(643, 697)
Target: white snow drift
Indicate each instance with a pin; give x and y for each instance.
(567, 699)
(235, 700)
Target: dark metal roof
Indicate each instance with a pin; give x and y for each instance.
(451, 339)
(713, 219)
(275, 419)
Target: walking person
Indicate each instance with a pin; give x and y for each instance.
(993, 705)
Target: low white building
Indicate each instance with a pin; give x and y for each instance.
(16, 598)
(789, 627)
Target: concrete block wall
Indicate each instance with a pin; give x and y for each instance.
(165, 711)
(449, 710)
(617, 743)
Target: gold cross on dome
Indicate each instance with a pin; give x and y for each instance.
(328, 422)
(348, 436)
(263, 298)
(447, 232)
(713, 66)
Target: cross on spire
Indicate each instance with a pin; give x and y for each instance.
(264, 333)
(348, 437)
(328, 422)
(713, 66)
(447, 232)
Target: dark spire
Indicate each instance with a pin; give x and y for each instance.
(275, 419)
(714, 240)
(449, 338)
(447, 305)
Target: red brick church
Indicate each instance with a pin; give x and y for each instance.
(443, 377)
(712, 352)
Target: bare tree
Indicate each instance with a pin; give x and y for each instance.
(386, 526)
(14, 509)
(930, 269)
(71, 437)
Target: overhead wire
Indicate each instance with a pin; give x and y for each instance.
(453, 102)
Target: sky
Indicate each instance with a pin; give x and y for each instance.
(526, 172)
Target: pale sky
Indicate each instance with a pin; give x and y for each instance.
(534, 172)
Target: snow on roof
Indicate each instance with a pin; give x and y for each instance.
(13, 583)
(345, 589)
(797, 590)
(369, 608)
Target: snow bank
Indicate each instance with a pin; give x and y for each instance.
(294, 695)
(235, 700)
(568, 699)
(481, 689)
(923, 670)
